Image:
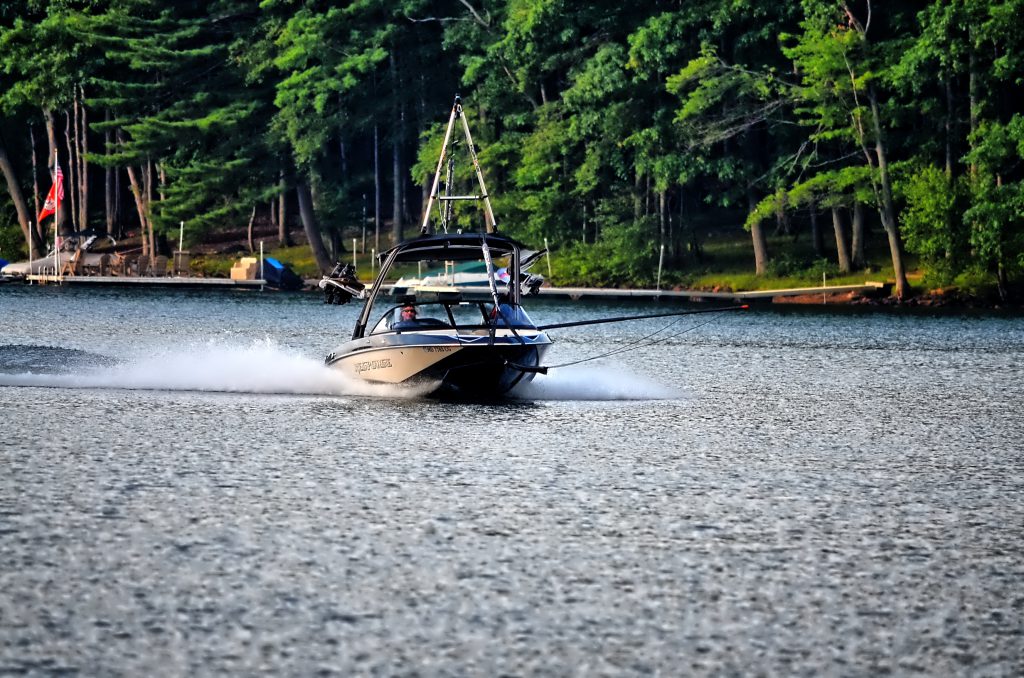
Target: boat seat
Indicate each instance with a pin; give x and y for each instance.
(159, 267)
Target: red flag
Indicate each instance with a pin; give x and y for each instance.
(54, 197)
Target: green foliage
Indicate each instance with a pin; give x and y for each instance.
(12, 243)
(996, 217)
(929, 223)
(974, 282)
(606, 128)
(623, 256)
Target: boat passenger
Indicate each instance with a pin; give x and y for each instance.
(405, 318)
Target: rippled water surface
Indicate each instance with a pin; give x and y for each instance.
(186, 490)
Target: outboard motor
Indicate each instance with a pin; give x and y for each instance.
(530, 283)
(341, 285)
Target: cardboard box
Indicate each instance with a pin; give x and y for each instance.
(245, 269)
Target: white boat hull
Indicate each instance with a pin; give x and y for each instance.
(470, 365)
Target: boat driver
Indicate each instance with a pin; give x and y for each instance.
(408, 313)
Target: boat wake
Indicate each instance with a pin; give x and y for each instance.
(262, 367)
(593, 383)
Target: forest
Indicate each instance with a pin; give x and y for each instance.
(823, 135)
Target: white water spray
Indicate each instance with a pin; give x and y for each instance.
(265, 367)
(593, 383)
(262, 367)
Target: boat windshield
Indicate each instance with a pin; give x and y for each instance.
(470, 316)
(419, 316)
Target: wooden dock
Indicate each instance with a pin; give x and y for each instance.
(144, 281)
(866, 289)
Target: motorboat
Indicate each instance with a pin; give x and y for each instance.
(455, 336)
(455, 341)
(467, 274)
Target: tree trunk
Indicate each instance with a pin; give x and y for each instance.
(782, 225)
(70, 189)
(396, 206)
(949, 126)
(21, 207)
(688, 230)
(35, 177)
(842, 253)
(117, 204)
(1002, 279)
(312, 229)
(671, 235)
(335, 233)
(282, 214)
(974, 95)
(160, 242)
(888, 209)
(760, 248)
(376, 190)
(108, 181)
(817, 241)
(83, 163)
(252, 220)
(662, 230)
(75, 160)
(758, 237)
(647, 196)
(638, 196)
(140, 202)
(396, 154)
(148, 248)
(857, 240)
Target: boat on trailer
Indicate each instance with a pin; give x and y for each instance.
(474, 341)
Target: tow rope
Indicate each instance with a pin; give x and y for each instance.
(543, 369)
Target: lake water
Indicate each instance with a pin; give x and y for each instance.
(186, 490)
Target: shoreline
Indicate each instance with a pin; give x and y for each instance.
(868, 295)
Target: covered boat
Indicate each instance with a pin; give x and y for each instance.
(79, 250)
